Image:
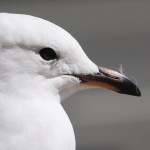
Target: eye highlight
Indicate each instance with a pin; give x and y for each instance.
(48, 54)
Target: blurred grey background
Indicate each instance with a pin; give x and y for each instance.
(111, 32)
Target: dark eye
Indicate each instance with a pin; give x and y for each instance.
(48, 53)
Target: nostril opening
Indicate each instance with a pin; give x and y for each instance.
(111, 76)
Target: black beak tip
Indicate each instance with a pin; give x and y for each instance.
(137, 92)
(130, 88)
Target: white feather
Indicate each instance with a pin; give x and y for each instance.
(31, 89)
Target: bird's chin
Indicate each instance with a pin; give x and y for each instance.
(66, 85)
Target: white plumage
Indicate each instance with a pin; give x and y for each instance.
(31, 88)
(31, 116)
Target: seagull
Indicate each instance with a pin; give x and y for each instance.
(41, 65)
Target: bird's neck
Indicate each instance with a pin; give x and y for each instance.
(40, 122)
(31, 110)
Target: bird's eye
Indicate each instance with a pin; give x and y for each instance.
(48, 53)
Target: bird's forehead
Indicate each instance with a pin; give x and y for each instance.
(32, 32)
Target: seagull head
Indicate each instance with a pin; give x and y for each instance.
(34, 48)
